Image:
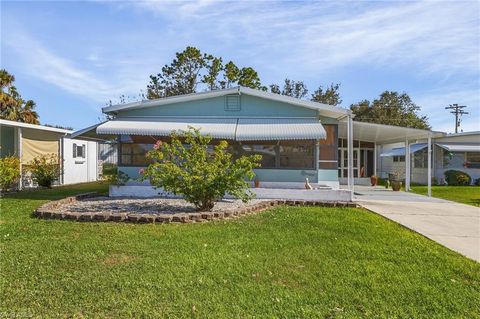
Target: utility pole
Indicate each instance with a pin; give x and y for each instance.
(458, 111)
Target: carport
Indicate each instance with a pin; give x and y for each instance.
(380, 134)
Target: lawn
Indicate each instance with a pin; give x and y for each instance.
(463, 194)
(287, 262)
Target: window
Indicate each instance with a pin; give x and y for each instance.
(398, 159)
(133, 154)
(268, 153)
(285, 154)
(420, 159)
(472, 160)
(78, 151)
(329, 153)
(294, 154)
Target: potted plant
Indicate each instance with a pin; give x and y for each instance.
(373, 180)
(396, 182)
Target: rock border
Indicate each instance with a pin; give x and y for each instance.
(48, 211)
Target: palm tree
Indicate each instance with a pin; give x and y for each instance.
(12, 106)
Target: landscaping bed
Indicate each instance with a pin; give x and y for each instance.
(94, 207)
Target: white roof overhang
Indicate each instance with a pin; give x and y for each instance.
(34, 126)
(264, 129)
(384, 134)
(460, 147)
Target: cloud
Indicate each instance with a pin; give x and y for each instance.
(42, 63)
(436, 37)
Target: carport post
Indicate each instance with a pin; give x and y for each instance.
(20, 153)
(429, 169)
(407, 165)
(375, 158)
(350, 152)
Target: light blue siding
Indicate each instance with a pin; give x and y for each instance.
(250, 106)
(285, 175)
(328, 175)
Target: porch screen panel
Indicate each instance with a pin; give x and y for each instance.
(297, 154)
(328, 157)
(32, 148)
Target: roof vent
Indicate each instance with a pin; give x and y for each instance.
(232, 102)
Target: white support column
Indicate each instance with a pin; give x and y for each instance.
(350, 152)
(408, 164)
(20, 153)
(317, 155)
(429, 169)
(375, 159)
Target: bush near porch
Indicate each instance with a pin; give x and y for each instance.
(287, 262)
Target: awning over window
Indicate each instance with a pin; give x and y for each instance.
(264, 129)
(400, 151)
(460, 147)
(217, 128)
(240, 129)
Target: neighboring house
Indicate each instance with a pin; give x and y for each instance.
(298, 139)
(78, 158)
(459, 151)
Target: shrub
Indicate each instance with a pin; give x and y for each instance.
(45, 169)
(457, 178)
(202, 174)
(477, 182)
(9, 171)
(116, 177)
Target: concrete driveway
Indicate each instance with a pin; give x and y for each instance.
(454, 225)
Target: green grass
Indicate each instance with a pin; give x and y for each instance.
(289, 262)
(463, 194)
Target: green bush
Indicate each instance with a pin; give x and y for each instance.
(457, 178)
(109, 169)
(45, 169)
(203, 175)
(9, 172)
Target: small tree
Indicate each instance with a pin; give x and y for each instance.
(45, 169)
(203, 174)
(9, 172)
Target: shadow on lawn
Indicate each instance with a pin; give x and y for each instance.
(58, 192)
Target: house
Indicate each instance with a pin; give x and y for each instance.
(78, 158)
(460, 151)
(297, 139)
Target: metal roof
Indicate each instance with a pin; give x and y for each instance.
(323, 109)
(215, 127)
(385, 134)
(264, 129)
(460, 147)
(34, 126)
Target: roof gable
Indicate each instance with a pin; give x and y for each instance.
(323, 109)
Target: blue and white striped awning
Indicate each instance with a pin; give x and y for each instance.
(240, 129)
(474, 148)
(265, 129)
(400, 151)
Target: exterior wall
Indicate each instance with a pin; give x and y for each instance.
(79, 170)
(250, 106)
(7, 141)
(108, 152)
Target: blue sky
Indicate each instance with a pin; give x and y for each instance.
(72, 57)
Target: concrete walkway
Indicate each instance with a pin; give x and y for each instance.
(454, 225)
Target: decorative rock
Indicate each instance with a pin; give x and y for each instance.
(195, 216)
(180, 218)
(85, 217)
(207, 215)
(219, 215)
(146, 218)
(118, 217)
(164, 218)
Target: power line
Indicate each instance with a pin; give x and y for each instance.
(458, 111)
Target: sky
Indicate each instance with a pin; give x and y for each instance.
(72, 57)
